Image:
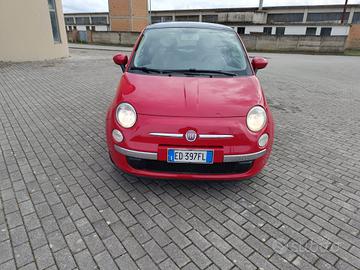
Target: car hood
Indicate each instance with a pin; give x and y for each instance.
(190, 96)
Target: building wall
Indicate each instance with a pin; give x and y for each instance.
(353, 40)
(336, 30)
(128, 15)
(100, 28)
(88, 21)
(26, 33)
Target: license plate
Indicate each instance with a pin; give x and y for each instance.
(190, 156)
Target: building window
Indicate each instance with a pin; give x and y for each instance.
(210, 18)
(99, 20)
(325, 31)
(93, 28)
(54, 21)
(155, 19)
(241, 30)
(158, 19)
(356, 17)
(310, 31)
(280, 31)
(74, 27)
(267, 30)
(189, 18)
(166, 18)
(285, 17)
(70, 28)
(326, 17)
(82, 20)
(87, 28)
(69, 20)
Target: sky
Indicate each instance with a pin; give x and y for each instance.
(102, 5)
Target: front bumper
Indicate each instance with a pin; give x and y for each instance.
(144, 152)
(154, 156)
(147, 164)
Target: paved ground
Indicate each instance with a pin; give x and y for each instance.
(63, 205)
(99, 47)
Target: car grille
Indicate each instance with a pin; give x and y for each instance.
(186, 168)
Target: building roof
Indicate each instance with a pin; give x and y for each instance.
(189, 25)
(252, 9)
(86, 13)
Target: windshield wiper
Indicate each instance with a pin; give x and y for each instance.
(147, 70)
(189, 71)
(200, 71)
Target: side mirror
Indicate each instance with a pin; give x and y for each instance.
(121, 60)
(258, 63)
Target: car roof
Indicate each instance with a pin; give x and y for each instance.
(200, 25)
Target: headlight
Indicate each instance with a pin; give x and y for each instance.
(126, 115)
(256, 119)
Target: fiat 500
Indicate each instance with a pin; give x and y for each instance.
(189, 106)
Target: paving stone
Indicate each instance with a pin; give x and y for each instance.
(146, 263)
(64, 259)
(5, 251)
(133, 248)
(85, 261)
(23, 254)
(58, 186)
(125, 262)
(219, 259)
(114, 246)
(43, 257)
(177, 255)
(155, 251)
(18, 236)
(75, 242)
(94, 244)
(105, 261)
(197, 257)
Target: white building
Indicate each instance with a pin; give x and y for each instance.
(98, 21)
(325, 20)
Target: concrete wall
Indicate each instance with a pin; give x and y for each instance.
(26, 33)
(112, 38)
(289, 43)
(294, 43)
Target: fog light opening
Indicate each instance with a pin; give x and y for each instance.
(263, 140)
(117, 136)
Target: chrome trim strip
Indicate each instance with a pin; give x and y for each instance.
(244, 157)
(136, 154)
(171, 135)
(215, 136)
(201, 136)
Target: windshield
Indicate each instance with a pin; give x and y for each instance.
(191, 49)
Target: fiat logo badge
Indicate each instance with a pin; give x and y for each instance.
(190, 135)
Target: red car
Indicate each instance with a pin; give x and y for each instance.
(189, 106)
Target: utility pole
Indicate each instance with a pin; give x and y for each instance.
(149, 11)
(344, 12)
(261, 2)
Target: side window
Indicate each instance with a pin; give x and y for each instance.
(54, 21)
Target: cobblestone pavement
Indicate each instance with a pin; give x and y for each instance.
(63, 205)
